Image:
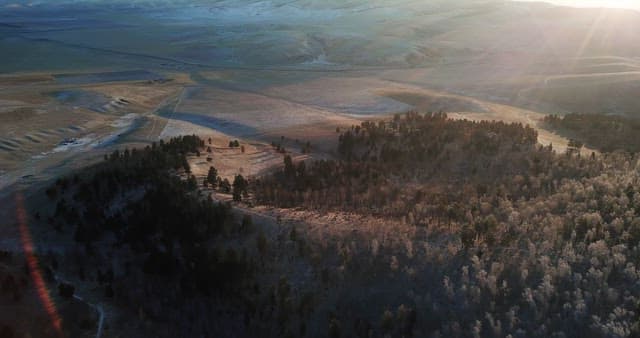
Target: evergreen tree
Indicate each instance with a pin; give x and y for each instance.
(289, 169)
(239, 187)
(225, 185)
(212, 177)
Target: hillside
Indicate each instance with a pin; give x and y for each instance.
(533, 243)
(319, 168)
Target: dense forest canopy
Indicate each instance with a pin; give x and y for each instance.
(424, 167)
(606, 133)
(521, 241)
(152, 236)
(487, 234)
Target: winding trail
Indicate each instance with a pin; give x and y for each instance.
(166, 102)
(98, 308)
(100, 312)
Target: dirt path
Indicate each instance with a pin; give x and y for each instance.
(497, 112)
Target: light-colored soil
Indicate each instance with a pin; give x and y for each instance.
(251, 114)
(34, 123)
(262, 106)
(258, 159)
(490, 111)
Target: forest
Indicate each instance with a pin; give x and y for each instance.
(605, 133)
(151, 241)
(424, 168)
(449, 228)
(510, 238)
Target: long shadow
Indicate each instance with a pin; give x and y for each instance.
(86, 78)
(222, 125)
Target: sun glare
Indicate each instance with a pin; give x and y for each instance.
(630, 4)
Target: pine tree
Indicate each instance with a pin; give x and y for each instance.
(289, 169)
(212, 177)
(225, 185)
(239, 187)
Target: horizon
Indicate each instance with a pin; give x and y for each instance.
(615, 4)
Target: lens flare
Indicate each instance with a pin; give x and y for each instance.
(34, 266)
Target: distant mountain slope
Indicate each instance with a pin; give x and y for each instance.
(521, 53)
